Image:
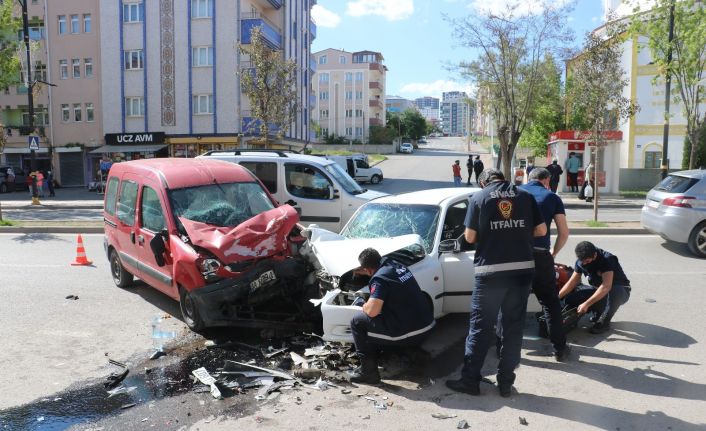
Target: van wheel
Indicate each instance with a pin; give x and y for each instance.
(375, 179)
(697, 240)
(190, 311)
(121, 277)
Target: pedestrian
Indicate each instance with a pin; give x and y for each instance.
(608, 289)
(502, 220)
(10, 179)
(40, 184)
(544, 282)
(456, 167)
(478, 168)
(588, 184)
(397, 313)
(469, 168)
(530, 166)
(30, 180)
(572, 171)
(556, 171)
(50, 183)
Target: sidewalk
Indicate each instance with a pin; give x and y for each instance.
(67, 198)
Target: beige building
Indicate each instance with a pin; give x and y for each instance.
(349, 88)
(65, 53)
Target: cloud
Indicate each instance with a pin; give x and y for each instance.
(392, 10)
(324, 17)
(518, 8)
(419, 89)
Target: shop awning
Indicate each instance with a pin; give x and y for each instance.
(127, 148)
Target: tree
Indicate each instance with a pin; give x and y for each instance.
(382, 135)
(699, 160)
(394, 122)
(413, 123)
(270, 85)
(684, 59)
(511, 49)
(596, 91)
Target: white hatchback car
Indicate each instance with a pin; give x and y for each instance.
(406, 147)
(419, 229)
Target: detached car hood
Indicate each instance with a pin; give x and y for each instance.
(338, 255)
(260, 236)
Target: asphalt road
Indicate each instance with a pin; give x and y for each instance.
(647, 374)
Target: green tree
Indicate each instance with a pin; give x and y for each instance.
(394, 122)
(270, 85)
(382, 135)
(414, 124)
(9, 62)
(511, 49)
(596, 91)
(687, 65)
(699, 160)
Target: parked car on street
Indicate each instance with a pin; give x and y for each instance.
(20, 179)
(406, 147)
(357, 167)
(675, 209)
(423, 230)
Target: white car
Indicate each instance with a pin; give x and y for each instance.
(419, 229)
(406, 147)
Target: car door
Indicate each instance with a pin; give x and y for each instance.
(150, 223)
(457, 267)
(362, 171)
(312, 189)
(126, 237)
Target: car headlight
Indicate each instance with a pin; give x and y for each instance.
(209, 268)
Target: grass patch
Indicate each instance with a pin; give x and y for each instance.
(6, 222)
(633, 193)
(594, 223)
(376, 158)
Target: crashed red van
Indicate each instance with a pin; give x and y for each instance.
(209, 235)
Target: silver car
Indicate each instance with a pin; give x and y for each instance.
(675, 209)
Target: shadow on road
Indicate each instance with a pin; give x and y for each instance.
(156, 298)
(680, 249)
(36, 237)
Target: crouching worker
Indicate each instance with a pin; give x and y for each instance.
(397, 313)
(609, 287)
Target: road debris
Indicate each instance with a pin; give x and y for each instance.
(72, 297)
(207, 379)
(462, 425)
(157, 354)
(523, 421)
(122, 389)
(114, 379)
(127, 406)
(443, 416)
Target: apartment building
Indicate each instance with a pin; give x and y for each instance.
(349, 88)
(170, 72)
(66, 54)
(455, 113)
(398, 104)
(429, 107)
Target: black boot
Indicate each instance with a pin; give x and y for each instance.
(367, 372)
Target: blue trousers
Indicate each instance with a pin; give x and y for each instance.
(606, 307)
(457, 181)
(506, 294)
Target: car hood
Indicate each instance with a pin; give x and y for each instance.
(338, 255)
(369, 195)
(260, 236)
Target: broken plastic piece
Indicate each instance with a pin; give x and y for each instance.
(308, 373)
(235, 366)
(157, 354)
(299, 360)
(127, 406)
(122, 389)
(114, 379)
(274, 353)
(523, 421)
(462, 425)
(207, 379)
(74, 297)
(443, 416)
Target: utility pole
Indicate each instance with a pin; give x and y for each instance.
(667, 91)
(30, 98)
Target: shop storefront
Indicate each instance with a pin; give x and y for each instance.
(120, 147)
(192, 146)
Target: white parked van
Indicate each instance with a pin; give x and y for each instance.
(358, 168)
(319, 189)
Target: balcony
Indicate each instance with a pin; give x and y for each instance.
(375, 103)
(269, 4)
(270, 33)
(312, 29)
(374, 85)
(375, 122)
(376, 66)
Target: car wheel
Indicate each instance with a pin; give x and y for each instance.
(121, 277)
(697, 240)
(375, 179)
(190, 311)
(3, 188)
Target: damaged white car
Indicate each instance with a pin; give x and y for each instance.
(419, 229)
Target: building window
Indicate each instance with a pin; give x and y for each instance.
(202, 56)
(323, 77)
(40, 71)
(359, 76)
(653, 159)
(62, 24)
(358, 113)
(323, 113)
(76, 67)
(349, 113)
(358, 95)
(88, 67)
(323, 59)
(324, 131)
(89, 112)
(349, 131)
(323, 95)
(133, 12)
(65, 113)
(349, 95)
(64, 69)
(134, 107)
(74, 24)
(358, 131)
(349, 76)
(342, 59)
(86, 22)
(133, 59)
(201, 8)
(77, 112)
(203, 104)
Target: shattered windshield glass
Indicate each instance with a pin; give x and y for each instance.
(220, 204)
(344, 179)
(377, 220)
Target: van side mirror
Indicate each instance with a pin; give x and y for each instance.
(448, 245)
(158, 247)
(332, 193)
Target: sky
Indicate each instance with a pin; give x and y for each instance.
(414, 38)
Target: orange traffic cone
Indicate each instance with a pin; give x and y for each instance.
(81, 259)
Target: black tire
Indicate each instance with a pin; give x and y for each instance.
(375, 179)
(697, 240)
(190, 311)
(121, 277)
(3, 188)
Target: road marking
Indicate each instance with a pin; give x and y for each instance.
(28, 265)
(668, 273)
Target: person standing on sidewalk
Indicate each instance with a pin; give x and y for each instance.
(572, 171)
(469, 168)
(456, 167)
(556, 171)
(478, 168)
(544, 284)
(502, 220)
(50, 183)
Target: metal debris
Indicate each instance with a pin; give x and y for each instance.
(157, 354)
(443, 416)
(523, 421)
(345, 391)
(114, 379)
(209, 380)
(274, 353)
(462, 425)
(122, 389)
(235, 366)
(127, 406)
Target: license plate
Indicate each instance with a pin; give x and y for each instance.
(263, 279)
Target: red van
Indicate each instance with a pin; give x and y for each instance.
(209, 235)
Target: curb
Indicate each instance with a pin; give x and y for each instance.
(51, 207)
(605, 231)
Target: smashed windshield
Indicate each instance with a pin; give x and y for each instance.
(376, 220)
(220, 204)
(344, 179)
